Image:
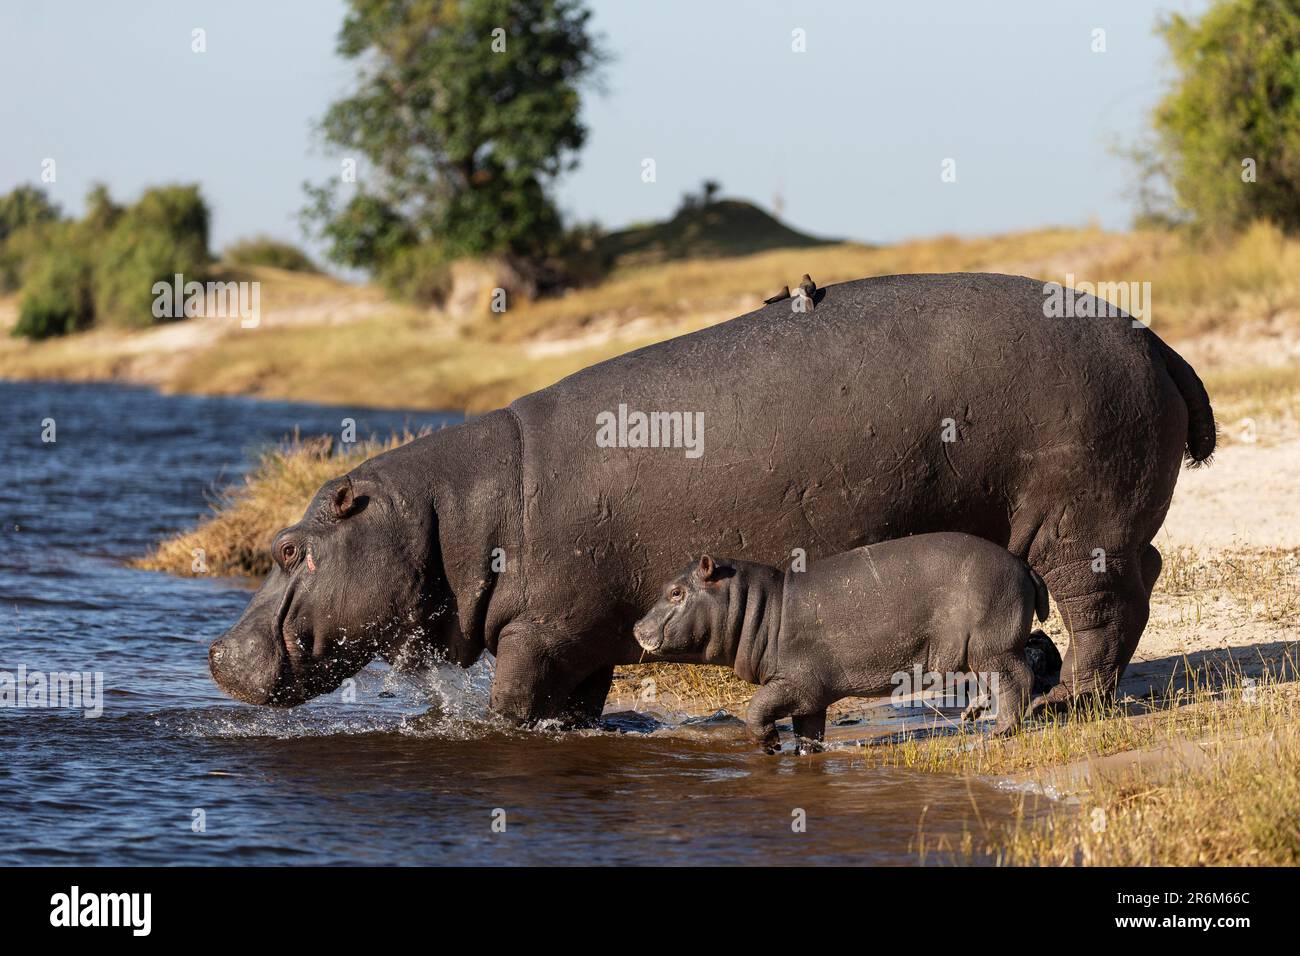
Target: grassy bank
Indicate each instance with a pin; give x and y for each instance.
(322, 340)
(1210, 775)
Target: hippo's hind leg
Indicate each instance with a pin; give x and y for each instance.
(1015, 683)
(1151, 565)
(810, 731)
(1104, 601)
(587, 701)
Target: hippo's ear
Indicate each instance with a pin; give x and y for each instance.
(345, 502)
(707, 570)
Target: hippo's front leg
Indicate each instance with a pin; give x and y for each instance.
(535, 675)
(771, 702)
(587, 701)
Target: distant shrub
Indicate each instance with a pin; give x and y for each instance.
(165, 233)
(25, 206)
(102, 268)
(57, 297)
(263, 251)
(26, 214)
(102, 213)
(418, 274)
(22, 247)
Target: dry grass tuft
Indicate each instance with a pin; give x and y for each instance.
(237, 538)
(695, 687)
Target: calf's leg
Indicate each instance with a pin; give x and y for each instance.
(810, 731)
(771, 702)
(1015, 684)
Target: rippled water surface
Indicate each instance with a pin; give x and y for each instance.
(410, 773)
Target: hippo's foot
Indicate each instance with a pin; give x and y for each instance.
(976, 709)
(768, 739)
(1044, 706)
(1044, 660)
(1060, 701)
(1007, 730)
(808, 745)
(580, 721)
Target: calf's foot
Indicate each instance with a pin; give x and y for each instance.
(809, 732)
(770, 702)
(1015, 682)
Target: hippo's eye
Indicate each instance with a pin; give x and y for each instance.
(288, 554)
(676, 594)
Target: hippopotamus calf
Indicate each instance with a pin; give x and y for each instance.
(852, 623)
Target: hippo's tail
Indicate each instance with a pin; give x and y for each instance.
(1042, 608)
(1201, 430)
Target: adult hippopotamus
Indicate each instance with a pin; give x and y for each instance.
(898, 405)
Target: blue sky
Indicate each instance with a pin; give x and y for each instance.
(851, 134)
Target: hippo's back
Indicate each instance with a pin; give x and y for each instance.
(899, 405)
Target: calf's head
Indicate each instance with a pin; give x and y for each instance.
(690, 618)
(354, 578)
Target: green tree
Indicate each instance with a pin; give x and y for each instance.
(1234, 114)
(465, 112)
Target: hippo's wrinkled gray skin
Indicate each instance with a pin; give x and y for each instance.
(823, 431)
(851, 623)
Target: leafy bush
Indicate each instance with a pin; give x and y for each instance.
(57, 295)
(165, 233)
(263, 251)
(26, 216)
(23, 246)
(418, 274)
(363, 233)
(25, 206)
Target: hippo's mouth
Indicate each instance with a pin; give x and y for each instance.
(294, 647)
(268, 665)
(652, 640)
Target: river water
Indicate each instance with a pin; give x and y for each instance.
(413, 772)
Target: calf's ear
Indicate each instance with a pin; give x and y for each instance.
(707, 569)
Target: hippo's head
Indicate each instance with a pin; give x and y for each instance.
(354, 578)
(690, 614)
